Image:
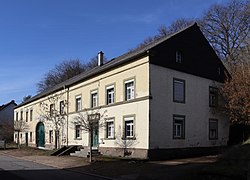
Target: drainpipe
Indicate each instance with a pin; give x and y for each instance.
(67, 116)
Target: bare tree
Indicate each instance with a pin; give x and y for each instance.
(53, 110)
(236, 92)
(25, 98)
(164, 31)
(227, 28)
(20, 126)
(65, 70)
(88, 122)
(6, 131)
(125, 143)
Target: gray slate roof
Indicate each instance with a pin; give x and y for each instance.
(107, 66)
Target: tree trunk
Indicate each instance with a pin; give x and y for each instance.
(18, 140)
(90, 146)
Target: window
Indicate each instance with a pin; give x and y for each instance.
(62, 107)
(51, 109)
(27, 116)
(16, 116)
(31, 138)
(51, 136)
(110, 129)
(94, 99)
(129, 127)
(179, 91)
(21, 115)
(213, 129)
(78, 131)
(178, 127)
(178, 56)
(31, 115)
(78, 103)
(110, 95)
(213, 97)
(129, 90)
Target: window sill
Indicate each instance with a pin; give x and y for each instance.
(78, 139)
(129, 138)
(113, 138)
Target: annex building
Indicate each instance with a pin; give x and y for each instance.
(157, 98)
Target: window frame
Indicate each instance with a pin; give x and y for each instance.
(92, 93)
(31, 114)
(213, 92)
(182, 130)
(209, 129)
(21, 115)
(27, 116)
(62, 107)
(178, 56)
(78, 107)
(127, 119)
(107, 94)
(51, 109)
(126, 82)
(51, 136)
(184, 90)
(112, 136)
(78, 131)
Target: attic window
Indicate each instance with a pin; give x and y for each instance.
(178, 56)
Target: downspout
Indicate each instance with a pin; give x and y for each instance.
(67, 116)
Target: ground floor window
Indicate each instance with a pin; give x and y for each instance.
(78, 131)
(213, 129)
(110, 130)
(129, 127)
(31, 138)
(50, 136)
(178, 127)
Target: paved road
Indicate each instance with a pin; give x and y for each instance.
(14, 168)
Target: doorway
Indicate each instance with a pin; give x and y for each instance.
(40, 135)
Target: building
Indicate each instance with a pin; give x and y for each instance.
(157, 98)
(6, 120)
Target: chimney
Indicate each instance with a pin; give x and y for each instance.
(100, 58)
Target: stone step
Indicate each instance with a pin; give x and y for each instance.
(85, 153)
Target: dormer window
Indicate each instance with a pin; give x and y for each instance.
(178, 56)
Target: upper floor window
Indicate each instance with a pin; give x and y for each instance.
(213, 96)
(51, 109)
(27, 116)
(31, 114)
(110, 130)
(94, 99)
(62, 107)
(21, 115)
(110, 94)
(213, 129)
(129, 90)
(178, 127)
(179, 91)
(178, 56)
(129, 127)
(78, 103)
(16, 116)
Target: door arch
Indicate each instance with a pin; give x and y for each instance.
(40, 135)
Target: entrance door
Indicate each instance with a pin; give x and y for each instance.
(94, 140)
(40, 135)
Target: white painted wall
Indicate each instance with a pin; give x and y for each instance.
(196, 110)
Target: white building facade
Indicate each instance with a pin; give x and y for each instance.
(154, 99)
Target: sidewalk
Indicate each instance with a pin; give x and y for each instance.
(122, 169)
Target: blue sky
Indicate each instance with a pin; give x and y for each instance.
(36, 35)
